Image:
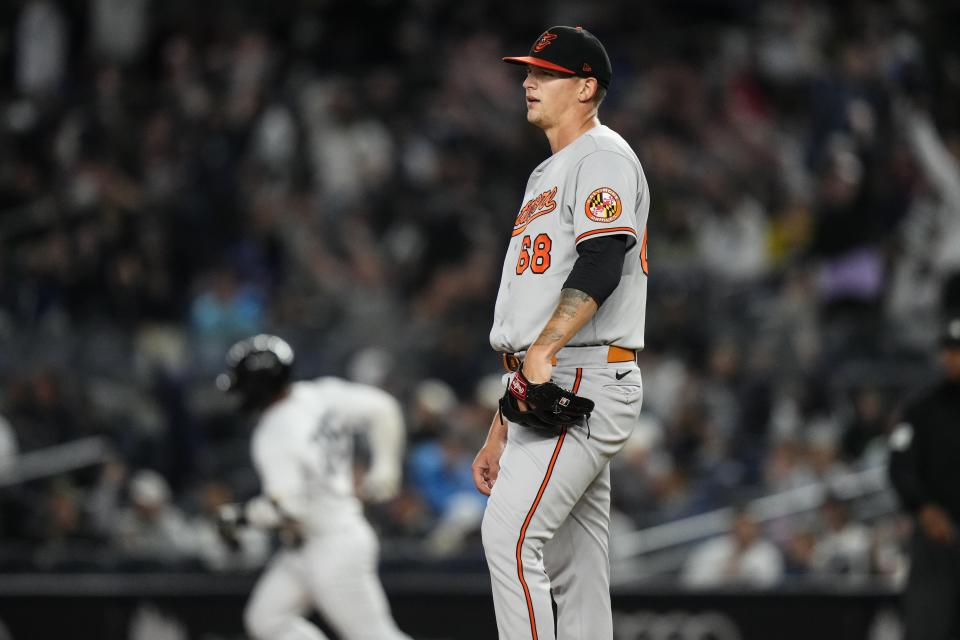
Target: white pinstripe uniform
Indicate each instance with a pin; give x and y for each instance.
(303, 451)
(546, 527)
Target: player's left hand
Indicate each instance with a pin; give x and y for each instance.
(380, 483)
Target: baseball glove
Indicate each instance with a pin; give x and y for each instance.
(549, 406)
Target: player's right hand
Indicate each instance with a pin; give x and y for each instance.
(381, 483)
(486, 467)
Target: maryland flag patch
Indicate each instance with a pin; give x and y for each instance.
(603, 205)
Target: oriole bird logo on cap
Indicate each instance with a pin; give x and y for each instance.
(544, 41)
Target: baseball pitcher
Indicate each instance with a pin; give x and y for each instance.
(568, 322)
(303, 452)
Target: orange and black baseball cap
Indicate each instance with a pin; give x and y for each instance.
(572, 50)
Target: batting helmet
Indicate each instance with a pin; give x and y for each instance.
(258, 369)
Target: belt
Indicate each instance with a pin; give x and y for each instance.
(575, 355)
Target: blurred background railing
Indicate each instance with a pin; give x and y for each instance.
(43, 464)
(663, 549)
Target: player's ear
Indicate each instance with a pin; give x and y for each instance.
(588, 88)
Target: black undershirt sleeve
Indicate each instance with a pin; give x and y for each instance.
(599, 266)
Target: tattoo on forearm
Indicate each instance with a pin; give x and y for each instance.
(571, 304)
(571, 300)
(548, 336)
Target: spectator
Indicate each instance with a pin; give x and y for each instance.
(741, 558)
(152, 530)
(634, 473)
(863, 434)
(440, 472)
(119, 28)
(103, 501)
(221, 312)
(799, 553)
(42, 412)
(843, 549)
(786, 468)
(66, 542)
(41, 45)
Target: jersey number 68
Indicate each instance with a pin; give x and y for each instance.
(539, 260)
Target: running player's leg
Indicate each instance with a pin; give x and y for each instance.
(278, 603)
(346, 587)
(577, 561)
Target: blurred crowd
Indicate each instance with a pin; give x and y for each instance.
(177, 175)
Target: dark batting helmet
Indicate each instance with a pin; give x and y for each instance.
(258, 369)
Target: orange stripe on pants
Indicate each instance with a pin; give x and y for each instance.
(533, 509)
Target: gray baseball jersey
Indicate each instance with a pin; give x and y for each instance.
(592, 187)
(546, 526)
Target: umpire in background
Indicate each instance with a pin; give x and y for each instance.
(925, 471)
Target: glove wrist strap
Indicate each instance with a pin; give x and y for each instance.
(518, 385)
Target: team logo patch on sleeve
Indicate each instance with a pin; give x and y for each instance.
(603, 205)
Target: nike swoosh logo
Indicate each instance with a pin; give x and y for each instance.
(621, 376)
